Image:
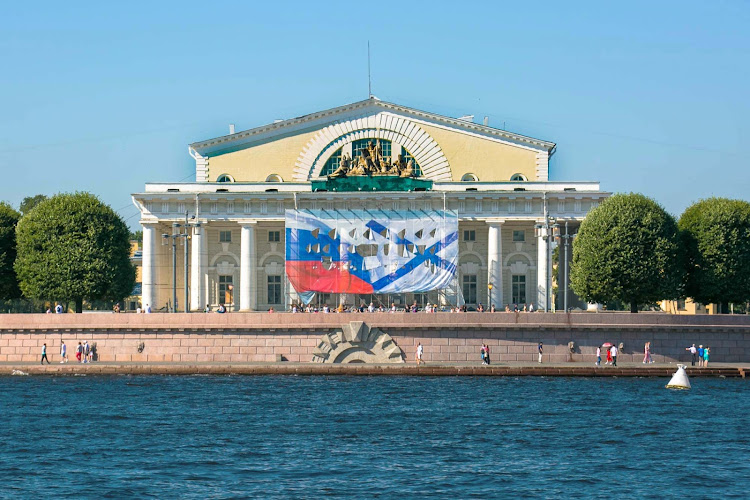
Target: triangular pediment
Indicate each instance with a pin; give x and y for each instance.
(364, 109)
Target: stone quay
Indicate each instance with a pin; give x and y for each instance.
(453, 339)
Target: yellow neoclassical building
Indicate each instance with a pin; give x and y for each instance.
(487, 189)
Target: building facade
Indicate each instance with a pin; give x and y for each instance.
(221, 239)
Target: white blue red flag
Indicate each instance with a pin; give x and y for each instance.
(370, 251)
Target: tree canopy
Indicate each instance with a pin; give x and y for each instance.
(716, 234)
(627, 249)
(74, 247)
(8, 281)
(30, 202)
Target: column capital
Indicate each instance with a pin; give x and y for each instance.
(247, 223)
(495, 222)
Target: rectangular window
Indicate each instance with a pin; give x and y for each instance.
(470, 288)
(274, 289)
(274, 236)
(420, 299)
(519, 235)
(519, 289)
(470, 235)
(226, 290)
(225, 236)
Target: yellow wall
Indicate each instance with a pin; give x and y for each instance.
(488, 160)
(256, 163)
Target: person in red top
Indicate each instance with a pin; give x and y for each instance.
(609, 357)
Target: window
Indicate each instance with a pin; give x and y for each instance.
(470, 288)
(361, 144)
(407, 156)
(519, 235)
(274, 178)
(274, 289)
(226, 290)
(518, 177)
(274, 236)
(332, 164)
(224, 178)
(519, 289)
(420, 299)
(469, 178)
(470, 235)
(225, 236)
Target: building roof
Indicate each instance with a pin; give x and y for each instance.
(207, 147)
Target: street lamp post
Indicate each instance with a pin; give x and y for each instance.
(178, 234)
(546, 231)
(489, 287)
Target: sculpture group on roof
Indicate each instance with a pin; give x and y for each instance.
(372, 162)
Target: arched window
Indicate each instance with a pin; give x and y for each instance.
(518, 177)
(360, 145)
(332, 164)
(274, 178)
(225, 178)
(469, 178)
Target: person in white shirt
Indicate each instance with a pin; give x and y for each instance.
(613, 350)
(420, 351)
(148, 309)
(598, 356)
(63, 353)
(693, 352)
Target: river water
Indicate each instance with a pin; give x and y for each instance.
(365, 437)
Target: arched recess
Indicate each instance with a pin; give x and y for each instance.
(516, 255)
(425, 150)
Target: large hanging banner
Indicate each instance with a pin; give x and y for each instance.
(370, 251)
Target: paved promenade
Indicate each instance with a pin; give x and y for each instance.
(729, 370)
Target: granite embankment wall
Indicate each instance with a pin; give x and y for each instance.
(446, 337)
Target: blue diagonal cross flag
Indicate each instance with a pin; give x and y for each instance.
(370, 251)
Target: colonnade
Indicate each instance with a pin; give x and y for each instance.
(248, 264)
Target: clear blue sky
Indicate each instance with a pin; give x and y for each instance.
(649, 97)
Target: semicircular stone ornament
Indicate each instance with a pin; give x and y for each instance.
(356, 342)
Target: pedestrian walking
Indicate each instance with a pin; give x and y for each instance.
(598, 356)
(609, 356)
(705, 356)
(418, 356)
(63, 352)
(79, 352)
(86, 352)
(700, 355)
(486, 354)
(540, 348)
(482, 354)
(44, 354)
(647, 353)
(693, 353)
(613, 350)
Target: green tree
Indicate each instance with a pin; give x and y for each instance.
(628, 249)
(716, 235)
(30, 202)
(8, 281)
(74, 247)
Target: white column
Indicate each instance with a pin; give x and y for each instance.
(198, 265)
(248, 298)
(495, 264)
(148, 266)
(541, 271)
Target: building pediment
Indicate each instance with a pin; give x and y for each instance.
(366, 109)
(308, 147)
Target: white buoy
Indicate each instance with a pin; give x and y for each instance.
(679, 379)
